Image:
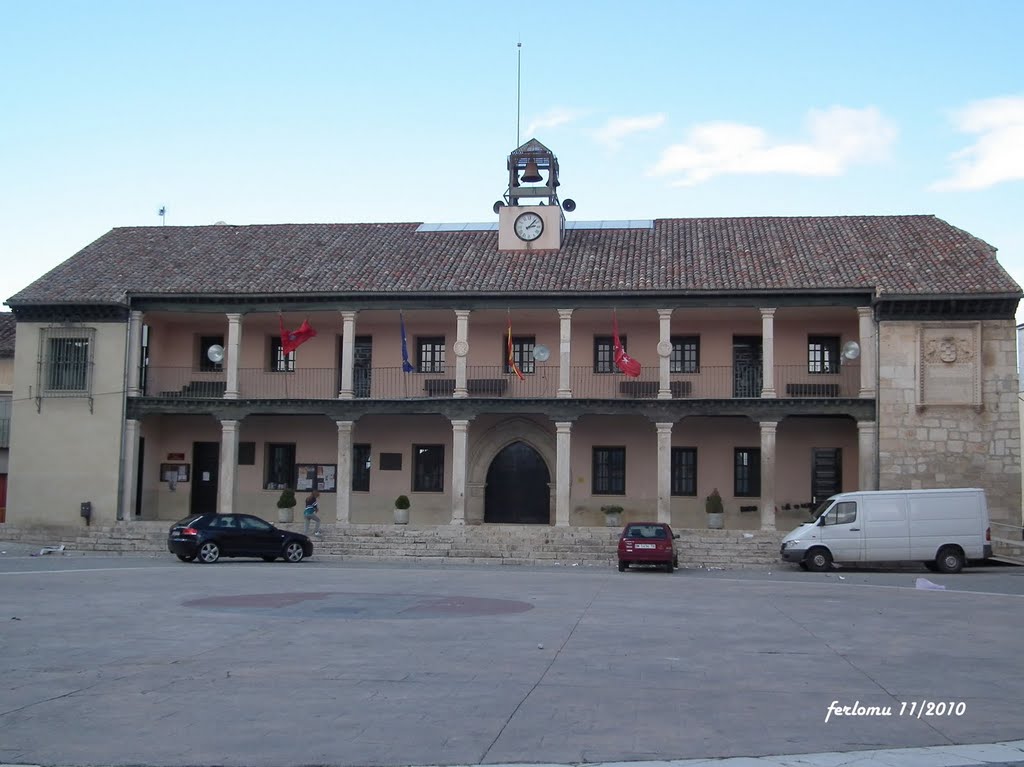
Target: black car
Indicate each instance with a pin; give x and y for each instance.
(209, 537)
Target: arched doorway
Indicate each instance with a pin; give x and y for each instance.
(517, 487)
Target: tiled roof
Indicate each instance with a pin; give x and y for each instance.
(912, 255)
(6, 334)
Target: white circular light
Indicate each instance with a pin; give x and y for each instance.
(215, 353)
(541, 353)
(851, 350)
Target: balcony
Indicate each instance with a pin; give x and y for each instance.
(5, 432)
(492, 382)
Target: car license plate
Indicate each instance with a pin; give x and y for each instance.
(644, 546)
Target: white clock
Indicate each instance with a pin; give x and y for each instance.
(529, 226)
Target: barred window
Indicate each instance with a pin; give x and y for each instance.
(360, 467)
(428, 468)
(609, 471)
(684, 471)
(747, 472)
(65, 361)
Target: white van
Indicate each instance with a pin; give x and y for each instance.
(941, 528)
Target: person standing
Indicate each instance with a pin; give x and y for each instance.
(311, 513)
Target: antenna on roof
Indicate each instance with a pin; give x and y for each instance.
(163, 215)
(519, 80)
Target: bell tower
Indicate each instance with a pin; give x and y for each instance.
(530, 216)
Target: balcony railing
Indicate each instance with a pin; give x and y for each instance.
(5, 432)
(491, 381)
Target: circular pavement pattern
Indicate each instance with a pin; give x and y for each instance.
(339, 604)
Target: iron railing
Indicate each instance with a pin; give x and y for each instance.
(492, 381)
(5, 432)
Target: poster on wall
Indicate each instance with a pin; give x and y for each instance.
(316, 476)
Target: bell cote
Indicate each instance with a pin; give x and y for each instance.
(530, 217)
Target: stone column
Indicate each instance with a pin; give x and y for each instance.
(868, 363)
(348, 350)
(664, 472)
(867, 455)
(460, 439)
(129, 469)
(664, 353)
(227, 487)
(768, 353)
(768, 474)
(563, 472)
(134, 353)
(344, 473)
(461, 349)
(231, 353)
(564, 354)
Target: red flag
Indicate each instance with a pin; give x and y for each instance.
(293, 339)
(623, 361)
(511, 353)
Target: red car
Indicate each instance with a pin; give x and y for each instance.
(648, 543)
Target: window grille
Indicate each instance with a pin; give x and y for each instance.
(65, 363)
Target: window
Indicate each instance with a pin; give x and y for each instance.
(5, 420)
(254, 523)
(604, 354)
(684, 471)
(685, 354)
(522, 353)
(842, 514)
(747, 473)
(823, 354)
(280, 466)
(279, 361)
(65, 362)
(361, 467)
(428, 468)
(430, 354)
(205, 342)
(609, 471)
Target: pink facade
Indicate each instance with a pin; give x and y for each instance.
(805, 419)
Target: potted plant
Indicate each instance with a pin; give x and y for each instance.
(402, 510)
(612, 515)
(285, 504)
(715, 510)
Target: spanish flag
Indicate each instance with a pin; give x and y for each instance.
(511, 353)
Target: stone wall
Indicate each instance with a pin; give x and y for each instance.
(927, 445)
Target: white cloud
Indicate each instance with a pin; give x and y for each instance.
(997, 154)
(616, 129)
(553, 119)
(839, 137)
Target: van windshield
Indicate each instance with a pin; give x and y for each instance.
(822, 508)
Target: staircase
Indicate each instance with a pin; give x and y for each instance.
(475, 544)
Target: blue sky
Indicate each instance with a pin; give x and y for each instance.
(302, 111)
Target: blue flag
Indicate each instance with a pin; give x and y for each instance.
(406, 365)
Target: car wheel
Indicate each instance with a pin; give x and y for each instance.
(818, 560)
(269, 559)
(623, 566)
(669, 567)
(293, 551)
(186, 557)
(209, 553)
(950, 560)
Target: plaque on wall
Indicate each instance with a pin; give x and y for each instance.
(949, 364)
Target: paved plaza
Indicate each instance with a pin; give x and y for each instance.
(147, 661)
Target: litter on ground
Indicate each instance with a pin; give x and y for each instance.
(924, 583)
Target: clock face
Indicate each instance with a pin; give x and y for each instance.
(529, 226)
